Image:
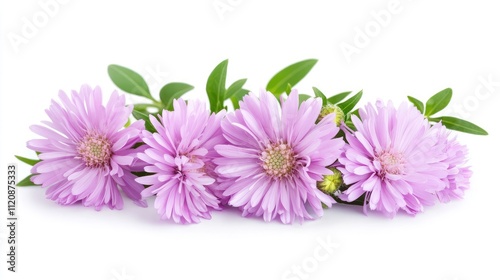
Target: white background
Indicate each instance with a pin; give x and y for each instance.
(424, 46)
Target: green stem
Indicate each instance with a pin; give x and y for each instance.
(158, 104)
(155, 104)
(360, 201)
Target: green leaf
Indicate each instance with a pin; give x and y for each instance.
(303, 97)
(460, 125)
(234, 88)
(141, 115)
(438, 102)
(350, 125)
(419, 104)
(350, 103)
(129, 81)
(235, 99)
(348, 119)
(319, 94)
(288, 89)
(28, 160)
(143, 106)
(216, 87)
(172, 91)
(290, 75)
(355, 113)
(26, 182)
(338, 97)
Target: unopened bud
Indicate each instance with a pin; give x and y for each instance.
(331, 183)
(330, 108)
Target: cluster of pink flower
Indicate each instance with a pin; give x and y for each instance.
(283, 160)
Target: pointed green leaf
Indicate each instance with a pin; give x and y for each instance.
(290, 75)
(28, 160)
(216, 86)
(142, 115)
(355, 113)
(288, 89)
(348, 119)
(303, 97)
(460, 125)
(338, 97)
(129, 81)
(26, 182)
(127, 124)
(172, 91)
(350, 103)
(235, 99)
(319, 94)
(438, 102)
(234, 88)
(419, 104)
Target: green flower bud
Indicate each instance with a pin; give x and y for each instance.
(331, 183)
(330, 108)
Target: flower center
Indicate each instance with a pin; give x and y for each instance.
(278, 160)
(391, 163)
(95, 150)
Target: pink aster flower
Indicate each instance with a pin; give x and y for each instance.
(393, 158)
(457, 179)
(87, 154)
(180, 157)
(276, 155)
